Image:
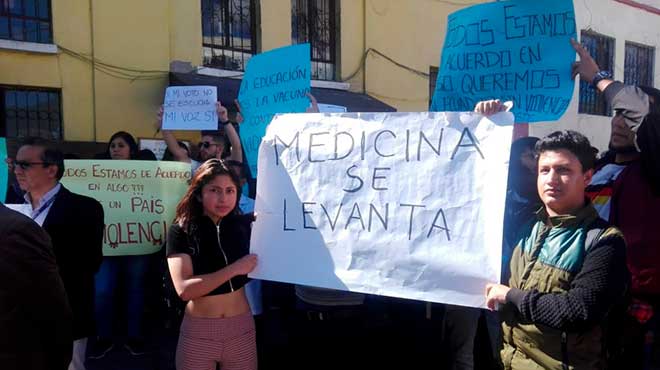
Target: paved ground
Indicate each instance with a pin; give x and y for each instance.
(159, 357)
(384, 343)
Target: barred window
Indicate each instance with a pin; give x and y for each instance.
(601, 49)
(640, 60)
(26, 20)
(228, 33)
(30, 112)
(315, 21)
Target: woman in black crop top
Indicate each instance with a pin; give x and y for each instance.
(208, 257)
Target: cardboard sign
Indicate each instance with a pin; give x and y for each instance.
(509, 50)
(139, 199)
(190, 108)
(275, 82)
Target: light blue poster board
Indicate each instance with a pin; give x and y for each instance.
(190, 108)
(515, 50)
(331, 108)
(275, 82)
(4, 170)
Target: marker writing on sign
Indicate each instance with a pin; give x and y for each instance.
(417, 145)
(368, 217)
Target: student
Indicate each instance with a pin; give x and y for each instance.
(129, 269)
(568, 269)
(208, 259)
(626, 192)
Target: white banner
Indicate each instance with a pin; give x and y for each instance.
(406, 205)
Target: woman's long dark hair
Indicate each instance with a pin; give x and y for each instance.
(190, 207)
(128, 138)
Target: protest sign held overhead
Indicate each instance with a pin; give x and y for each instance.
(190, 108)
(139, 199)
(509, 50)
(275, 82)
(399, 204)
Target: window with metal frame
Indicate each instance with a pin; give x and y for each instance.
(601, 49)
(640, 60)
(30, 112)
(228, 33)
(315, 21)
(26, 20)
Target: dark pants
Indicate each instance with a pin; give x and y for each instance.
(412, 335)
(132, 271)
(640, 345)
(472, 338)
(329, 337)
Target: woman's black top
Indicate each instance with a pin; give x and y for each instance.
(212, 247)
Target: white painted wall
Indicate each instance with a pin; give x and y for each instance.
(623, 23)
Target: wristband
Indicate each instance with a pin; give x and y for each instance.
(601, 75)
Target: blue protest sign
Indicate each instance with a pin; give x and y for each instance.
(515, 50)
(190, 108)
(275, 82)
(4, 171)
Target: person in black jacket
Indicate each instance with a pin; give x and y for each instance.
(75, 226)
(35, 317)
(208, 258)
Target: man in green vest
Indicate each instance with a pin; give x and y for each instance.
(568, 269)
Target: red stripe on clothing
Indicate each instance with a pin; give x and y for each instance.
(205, 342)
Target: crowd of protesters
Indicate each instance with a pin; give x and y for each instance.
(580, 281)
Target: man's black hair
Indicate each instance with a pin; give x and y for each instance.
(51, 155)
(572, 141)
(217, 135)
(654, 95)
(242, 168)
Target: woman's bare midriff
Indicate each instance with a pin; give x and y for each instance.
(219, 306)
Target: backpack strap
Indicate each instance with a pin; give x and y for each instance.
(597, 229)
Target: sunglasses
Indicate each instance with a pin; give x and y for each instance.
(25, 165)
(206, 144)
